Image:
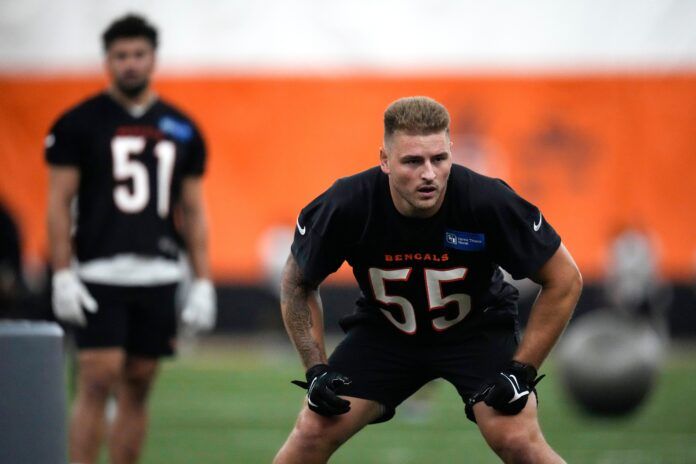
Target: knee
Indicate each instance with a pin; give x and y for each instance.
(314, 433)
(517, 447)
(138, 385)
(97, 386)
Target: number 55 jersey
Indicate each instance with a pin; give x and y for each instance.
(131, 170)
(434, 279)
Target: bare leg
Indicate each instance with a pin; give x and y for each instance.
(516, 439)
(315, 438)
(128, 431)
(98, 374)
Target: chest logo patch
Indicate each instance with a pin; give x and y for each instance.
(176, 128)
(464, 241)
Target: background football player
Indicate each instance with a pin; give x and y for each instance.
(124, 165)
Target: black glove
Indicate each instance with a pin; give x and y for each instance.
(508, 391)
(323, 386)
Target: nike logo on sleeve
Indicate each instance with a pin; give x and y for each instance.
(301, 229)
(537, 226)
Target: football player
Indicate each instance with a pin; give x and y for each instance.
(124, 164)
(426, 239)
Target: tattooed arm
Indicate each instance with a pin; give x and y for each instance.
(302, 311)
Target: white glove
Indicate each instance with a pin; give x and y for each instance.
(200, 309)
(70, 296)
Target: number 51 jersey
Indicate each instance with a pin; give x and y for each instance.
(435, 279)
(131, 171)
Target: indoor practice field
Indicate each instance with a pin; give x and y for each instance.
(189, 175)
(232, 402)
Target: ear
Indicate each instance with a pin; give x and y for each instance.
(384, 160)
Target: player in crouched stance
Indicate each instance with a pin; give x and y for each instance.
(450, 316)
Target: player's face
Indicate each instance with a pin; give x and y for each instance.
(129, 63)
(418, 167)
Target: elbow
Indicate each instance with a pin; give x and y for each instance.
(570, 287)
(289, 275)
(577, 282)
(292, 281)
(574, 289)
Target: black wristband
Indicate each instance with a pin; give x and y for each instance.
(315, 371)
(526, 372)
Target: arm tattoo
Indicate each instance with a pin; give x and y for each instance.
(294, 300)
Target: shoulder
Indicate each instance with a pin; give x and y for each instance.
(344, 206)
(168, 109)
(172, 109)
(463, 176)
(357, 186)
(488, 200)
(352, 194)
(83, 112)
(176, 121)
(481, 191)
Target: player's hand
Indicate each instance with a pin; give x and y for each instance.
(323, 386)
(200, 310)
(509, 390)
(70, 296)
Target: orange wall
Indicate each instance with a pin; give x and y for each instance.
(594, 152)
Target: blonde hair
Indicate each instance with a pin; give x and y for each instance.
(415, 115)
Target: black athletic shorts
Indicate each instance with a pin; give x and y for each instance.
(385, 369)
(141, 320)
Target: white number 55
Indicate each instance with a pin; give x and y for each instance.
(433, 284)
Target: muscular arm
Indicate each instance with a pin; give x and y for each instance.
(302, 311)
(195, 226)
(62, 188)
(561, 284)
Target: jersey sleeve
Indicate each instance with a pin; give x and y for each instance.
(64, 142)
(518, 236)
(196, 162)
(319, 246)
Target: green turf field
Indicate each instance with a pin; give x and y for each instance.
(233, 403)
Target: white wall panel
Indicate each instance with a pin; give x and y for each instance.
(362, 35)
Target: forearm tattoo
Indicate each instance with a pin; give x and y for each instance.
(297, 315)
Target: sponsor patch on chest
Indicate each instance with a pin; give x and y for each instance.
(465, 241)
(178, 129)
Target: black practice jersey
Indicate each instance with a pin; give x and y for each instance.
(435, 278)
(131, 171)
